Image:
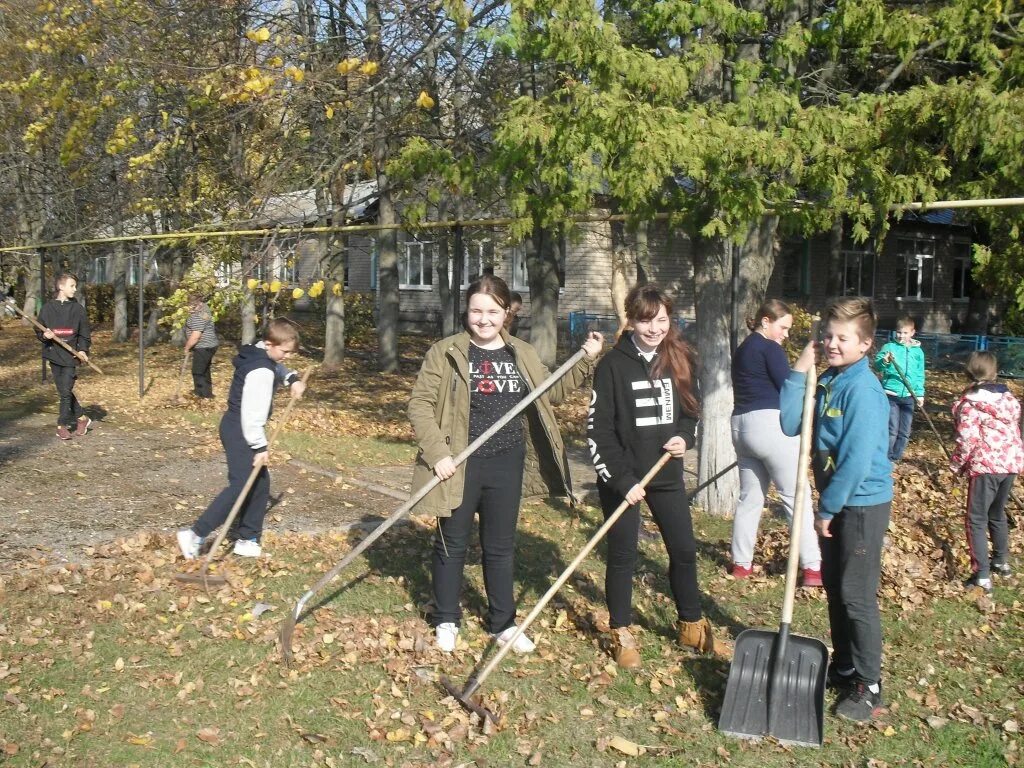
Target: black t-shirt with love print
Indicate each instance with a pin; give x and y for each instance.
(495, 388)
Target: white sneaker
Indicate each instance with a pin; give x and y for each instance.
(248, 548)
(445, 635)
(523, 644)
(189, 543)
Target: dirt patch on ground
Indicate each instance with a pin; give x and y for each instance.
(60, 497)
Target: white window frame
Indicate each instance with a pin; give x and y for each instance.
(475, 252)
(405, 262)
(962, 266)
(520, 277)
(98, 270)
(860, 256)
(915, 257)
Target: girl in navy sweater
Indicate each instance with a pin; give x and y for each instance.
(764, 454)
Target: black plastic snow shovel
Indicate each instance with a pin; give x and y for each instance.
(776, 684)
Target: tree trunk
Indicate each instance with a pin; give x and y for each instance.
(387, 281)
(542, 271)
(756, 262)
(28, 232)
(712, 272)
(834, 285)
(248, 318)
(120, 289)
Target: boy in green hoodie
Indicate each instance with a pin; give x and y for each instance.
(905, 355)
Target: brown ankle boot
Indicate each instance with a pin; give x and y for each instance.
(698, 635)
(624, 648)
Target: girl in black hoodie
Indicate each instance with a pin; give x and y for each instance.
(643, 405)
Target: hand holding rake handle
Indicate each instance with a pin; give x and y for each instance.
(288, 627)
(899, 371)
(74, 353)
(476, 681)
(203, 575)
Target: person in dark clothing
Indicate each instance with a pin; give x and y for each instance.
(644, 404)
(201, 340)
(65, 319)
(259, 368)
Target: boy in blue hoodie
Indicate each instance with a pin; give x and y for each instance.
(853, 475)
(258, 370)
(902, 355)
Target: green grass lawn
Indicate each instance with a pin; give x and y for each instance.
(117, 664)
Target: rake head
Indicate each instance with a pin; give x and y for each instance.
(464, 698)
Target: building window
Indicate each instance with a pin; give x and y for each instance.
(963, 282)
(416, 265)
(919, 260)
(98, 270)
(479, 259)
(858, 273)
(796, 278)
(520, 277)
(520, 274)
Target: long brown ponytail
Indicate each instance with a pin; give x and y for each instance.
(676, 357)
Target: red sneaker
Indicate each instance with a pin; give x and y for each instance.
(811, 578)
(84, 422)
(740, 572)
(63, 432)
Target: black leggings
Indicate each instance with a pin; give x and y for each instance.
(249, 523)
(493, 488)
(671, 511)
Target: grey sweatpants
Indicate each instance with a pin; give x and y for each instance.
(766, 455)
(986, 514)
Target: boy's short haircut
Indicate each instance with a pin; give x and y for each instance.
(906, 321)
(982, 365)
(62, 278)
(855, 309)
(280, 331)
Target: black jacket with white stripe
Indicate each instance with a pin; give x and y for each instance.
(631, 417)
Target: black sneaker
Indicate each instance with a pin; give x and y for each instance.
(860, 704)
(836, 680)
(1002, 569)
(975, 583)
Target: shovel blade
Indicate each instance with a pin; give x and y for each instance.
(768, 695)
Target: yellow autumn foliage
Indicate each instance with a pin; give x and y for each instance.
(251, 283)
(275, 286)
(347, 65)
(369, 68)
(298, 293)
(424, 101)
(260, 35)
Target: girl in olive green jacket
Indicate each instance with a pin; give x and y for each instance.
(466, 384)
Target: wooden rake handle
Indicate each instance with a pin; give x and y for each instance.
(252, 479)
(801, 500)
(61, 342)
(475, 682)
(288, 626)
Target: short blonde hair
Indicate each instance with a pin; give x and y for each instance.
(853, 309)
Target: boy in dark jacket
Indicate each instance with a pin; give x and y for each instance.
(65, 319)
(259, 368)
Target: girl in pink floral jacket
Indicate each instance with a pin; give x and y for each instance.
(990, 452)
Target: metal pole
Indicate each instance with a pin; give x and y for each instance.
(141, 277)
(40, 302)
